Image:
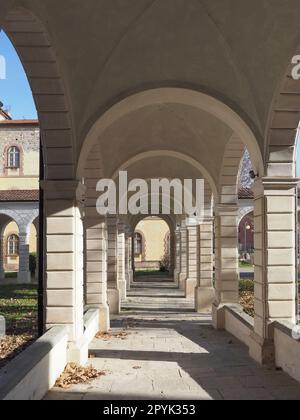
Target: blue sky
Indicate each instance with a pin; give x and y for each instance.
(15, 91)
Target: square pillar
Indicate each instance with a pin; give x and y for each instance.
(24, 275)
(275, 217)
(64, 263)
(2, 272)
(114, 297)
(172, 254)
(96, 269)
(128, 264)
(183, 257)
(121, 261)
(192, 261)
(177, 255)
(205, 292)
(226, 262)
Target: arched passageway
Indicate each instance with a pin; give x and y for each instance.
(179, 117)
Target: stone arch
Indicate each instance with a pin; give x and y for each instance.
(92, 174)
(176, 96)
(283, 126)
(34, 47)
(243, 212)
(232, 159)
(170, 221)
(210, 186)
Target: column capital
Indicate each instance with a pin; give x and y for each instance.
(262, 185)
(207, 221)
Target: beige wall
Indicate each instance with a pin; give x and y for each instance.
(154, 232)
(12, 228)
(27, 139)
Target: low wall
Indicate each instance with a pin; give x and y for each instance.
(34, 372)
(91, 324)
(239, 324)
(287, 349)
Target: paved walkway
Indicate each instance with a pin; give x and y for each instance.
(169, 352)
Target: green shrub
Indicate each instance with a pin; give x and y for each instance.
(246, 285)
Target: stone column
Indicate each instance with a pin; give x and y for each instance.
(64, 263)
(96, 269)
(192, 260)
(131, 258)
(121, 261)
(2, 248)
(275, 261)
(172, 255)
(183, 257)
(114, 297)
(177, 255)
(226, 262)
(37, 252)
(128, 268)
(205, 293)
(24, 276)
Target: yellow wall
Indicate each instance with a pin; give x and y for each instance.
(12, 228)
(154, 231)
(28, 141)
(10, 183)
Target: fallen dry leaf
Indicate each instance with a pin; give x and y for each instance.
(122, 335)
(247, 302)
(11, 346)
(74, 375)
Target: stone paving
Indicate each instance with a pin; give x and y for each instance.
(170, 352)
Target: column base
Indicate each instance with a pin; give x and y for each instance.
(176, 276)
(181, 281)
(262, 350)
(114, 302)
(128, 281)
(204, 298)
(104, 318)
(218, 316)
(78, 353)
(122, 285)
(24, 277)
(190, 286)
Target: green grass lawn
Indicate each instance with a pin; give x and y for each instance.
(150, 272)
(11, 276)
(245, 264)
(18, 305)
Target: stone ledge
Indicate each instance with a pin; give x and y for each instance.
(91, 324)
(285, 327)
(30, 362)
(240, 315)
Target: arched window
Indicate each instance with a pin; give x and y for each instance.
(13, 158)
(138, 244)
(13, 245)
